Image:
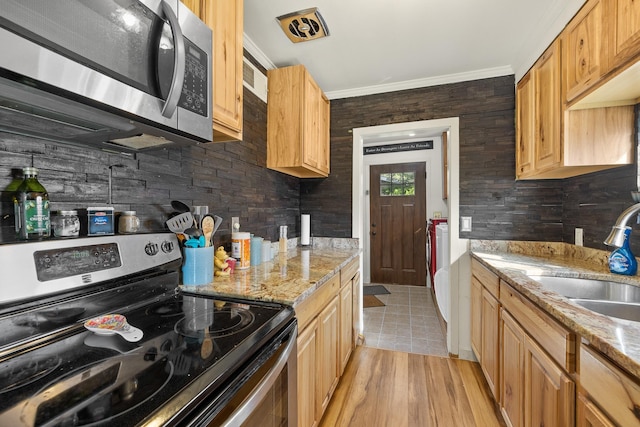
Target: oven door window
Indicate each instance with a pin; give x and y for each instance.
(121, 39)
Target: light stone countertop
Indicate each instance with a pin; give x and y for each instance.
(512, 261)
(288, 279)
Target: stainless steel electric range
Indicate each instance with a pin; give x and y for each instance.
(200, 361)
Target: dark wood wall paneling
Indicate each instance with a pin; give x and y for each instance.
(231, 178)
(501, 208)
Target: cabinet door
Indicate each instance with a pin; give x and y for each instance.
(225, 17)
(525, 126)
(491, 341)
(624, 31)
(511, 371)
(324, 142)
(328, 338)
(346, 324)
(582, 46)
(312, 123)
(588, 415)
(307, 376)
(476, 317)
(548, 153)
(549, 394)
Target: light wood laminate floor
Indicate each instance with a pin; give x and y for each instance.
(390, 388)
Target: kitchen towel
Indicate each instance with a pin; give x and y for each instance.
(305, 227)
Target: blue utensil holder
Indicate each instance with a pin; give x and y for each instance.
(197, 268)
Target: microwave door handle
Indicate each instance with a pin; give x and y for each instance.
(178, 64)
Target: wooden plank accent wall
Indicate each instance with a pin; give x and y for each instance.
(231, 178)
(501, 208)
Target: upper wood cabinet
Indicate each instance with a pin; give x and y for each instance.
(584, 49)
(225, 18)
(554, 142)
(297, 124)
(623, 31)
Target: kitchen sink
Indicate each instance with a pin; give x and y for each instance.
(590, 289)
(621, 310)
(612, 299)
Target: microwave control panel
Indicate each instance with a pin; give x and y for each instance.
(194, 89)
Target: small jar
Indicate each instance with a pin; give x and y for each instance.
(66, 224)
(128, 223)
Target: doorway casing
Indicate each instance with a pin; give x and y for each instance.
(458, 330)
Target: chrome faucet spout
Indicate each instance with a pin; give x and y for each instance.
(616, 237)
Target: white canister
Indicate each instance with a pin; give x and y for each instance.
(241, 249)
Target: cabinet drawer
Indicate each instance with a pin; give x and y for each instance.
(550, 335)
(350, 270)
(488, 279)
(610, 388)
(310, 307)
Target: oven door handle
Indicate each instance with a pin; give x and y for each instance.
(242, 412)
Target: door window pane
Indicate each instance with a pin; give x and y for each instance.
(398, 184)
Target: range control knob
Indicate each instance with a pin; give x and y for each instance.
(167, 246)
(151, 248)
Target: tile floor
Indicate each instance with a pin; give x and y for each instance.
(408, 322)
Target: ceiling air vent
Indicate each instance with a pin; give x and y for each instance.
(304, 25)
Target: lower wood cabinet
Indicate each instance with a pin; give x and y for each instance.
(307, 377)
(325, 342)
(491, 341)
(532, 386)
(588, 414)
(512, 368)
(608, 387)
(328, 340)
(549, 393)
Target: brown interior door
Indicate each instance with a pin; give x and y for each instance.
(398, 220)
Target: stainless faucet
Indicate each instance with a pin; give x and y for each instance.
(616, 237)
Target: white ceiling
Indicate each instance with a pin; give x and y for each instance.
(379, 46)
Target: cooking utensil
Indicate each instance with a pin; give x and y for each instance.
(179, 223)
(207, 225)
(179, 206)
(218, 221)
(110, 324)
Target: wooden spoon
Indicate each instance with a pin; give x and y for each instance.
(207, 226)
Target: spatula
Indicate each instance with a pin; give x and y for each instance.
(179, 223)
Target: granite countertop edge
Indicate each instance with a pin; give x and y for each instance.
(618, 339)
(288, 279)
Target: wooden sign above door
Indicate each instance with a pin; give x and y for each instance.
(396, 148)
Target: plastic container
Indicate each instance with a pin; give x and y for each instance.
(100, 221)
(66, 224)
(241, 249)
(256, 250)
(197, 268)
(622, 261)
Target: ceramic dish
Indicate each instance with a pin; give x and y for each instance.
(110, 324)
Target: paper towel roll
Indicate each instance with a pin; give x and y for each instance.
(305, 229)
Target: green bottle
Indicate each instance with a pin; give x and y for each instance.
(31, 206)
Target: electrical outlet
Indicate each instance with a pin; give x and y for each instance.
(579, 237)
(235, 224)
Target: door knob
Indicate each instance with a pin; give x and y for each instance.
(373, 233)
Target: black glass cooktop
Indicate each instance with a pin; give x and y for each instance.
(84, 379)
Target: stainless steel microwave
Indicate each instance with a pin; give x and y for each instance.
(125, 75)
